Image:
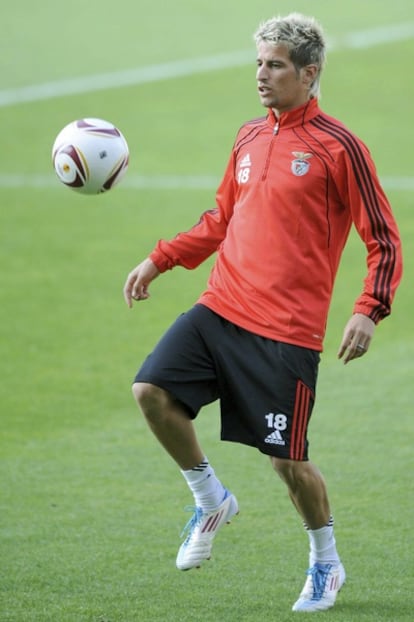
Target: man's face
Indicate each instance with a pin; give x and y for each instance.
(280, 85)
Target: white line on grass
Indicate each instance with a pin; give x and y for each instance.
(176, 69)
(164, 182)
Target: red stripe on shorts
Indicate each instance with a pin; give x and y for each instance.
(300, 420)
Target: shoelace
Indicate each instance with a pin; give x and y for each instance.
(319, 576)
(196, 517)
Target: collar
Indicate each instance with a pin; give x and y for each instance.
(296, 116)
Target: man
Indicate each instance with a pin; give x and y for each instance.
(296, 181)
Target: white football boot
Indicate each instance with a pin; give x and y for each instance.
(202, 528)
(321, 587)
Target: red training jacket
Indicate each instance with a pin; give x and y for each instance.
(291, 191)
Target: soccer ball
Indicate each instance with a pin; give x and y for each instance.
(90, 155)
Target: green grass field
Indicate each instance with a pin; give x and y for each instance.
(91, 507)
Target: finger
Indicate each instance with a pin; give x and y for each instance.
(127, 295)
(128, 290)
(140, 292)
(341, 350)
(137, 292)
(360, 349)
(345, 344)
(143, 295)
(355, 351)
(128, 298)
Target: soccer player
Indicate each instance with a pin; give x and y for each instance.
(296, 181)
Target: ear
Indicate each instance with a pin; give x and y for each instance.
(309, 74)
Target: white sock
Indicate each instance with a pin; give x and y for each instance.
(323, 545)
(208, 491)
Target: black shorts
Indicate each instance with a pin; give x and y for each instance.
(266, 388)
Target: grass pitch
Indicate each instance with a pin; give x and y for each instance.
(91, 507)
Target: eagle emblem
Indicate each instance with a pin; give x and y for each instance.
(300, 165)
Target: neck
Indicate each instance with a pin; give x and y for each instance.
(279, 111)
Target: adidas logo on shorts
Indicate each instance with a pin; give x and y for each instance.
(275, 438)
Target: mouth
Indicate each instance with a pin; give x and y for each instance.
(263, 90)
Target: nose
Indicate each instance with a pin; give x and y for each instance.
(261, 72)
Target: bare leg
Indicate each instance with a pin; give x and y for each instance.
(307, 490)
(170, 423)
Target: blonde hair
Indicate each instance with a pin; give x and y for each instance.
(304, 39)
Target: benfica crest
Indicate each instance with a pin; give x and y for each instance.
(300, 165)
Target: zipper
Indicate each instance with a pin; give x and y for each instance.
(269, 151)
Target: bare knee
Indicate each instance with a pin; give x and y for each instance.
(144, 392)
(306, 489)
(284, 468)
(296, 473)
(159, 407)
(292, 472)
(151, 399)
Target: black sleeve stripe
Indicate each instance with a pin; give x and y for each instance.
(382, 285)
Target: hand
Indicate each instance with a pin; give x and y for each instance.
(357, 337)
(136, 285)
